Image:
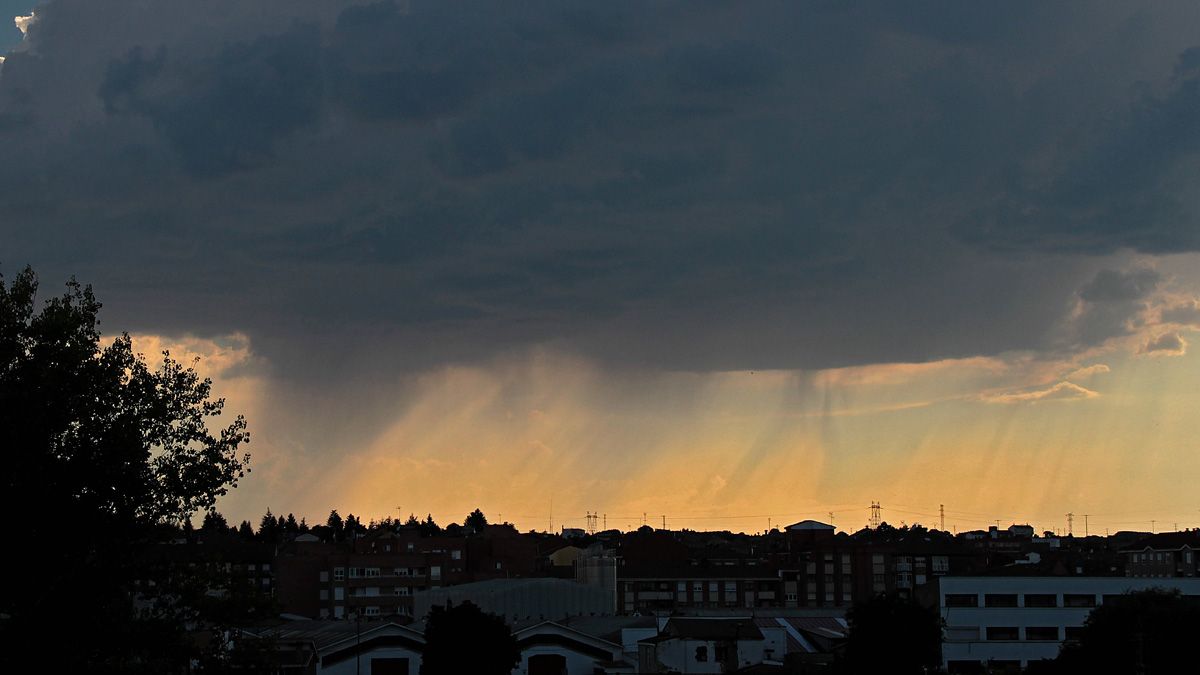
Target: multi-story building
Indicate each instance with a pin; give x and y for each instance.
(374, 576)
(378, 574)
(821, 569)
(696, 587)
(1169, 554)
(1005, 622)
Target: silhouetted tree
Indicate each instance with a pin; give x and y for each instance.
(214, 522)
(303, 526)
(290, 526)
(1141, 632)
(889, 634)
(429, 528)
(412, 521)
(246, 530)
(353, 527)
(268, 527)
(493, 649)
(120, 449)
(336, 526)
(475, 521)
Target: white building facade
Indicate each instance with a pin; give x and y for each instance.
(1007, 622)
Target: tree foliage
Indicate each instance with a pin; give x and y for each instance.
(119, 449)
(890, 634)
(1140, 632)
(493, 649)
(475, 521)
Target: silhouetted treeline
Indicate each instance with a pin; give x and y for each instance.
(279, 529)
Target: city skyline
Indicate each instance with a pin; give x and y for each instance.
(716, 262)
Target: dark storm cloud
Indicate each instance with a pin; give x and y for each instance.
(1113, 304)
(684, 185)
(224, 113)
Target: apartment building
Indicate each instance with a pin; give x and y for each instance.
(696, 587)
(1006, 622)
(1169, 554)
(374, 576)
(821, 569)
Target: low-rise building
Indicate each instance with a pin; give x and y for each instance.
(1006, 622)
(703, 645)
(514, 600)
(1169, 554)
(347, 647)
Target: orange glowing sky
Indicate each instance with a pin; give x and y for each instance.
(1109, 432)
(718, 262)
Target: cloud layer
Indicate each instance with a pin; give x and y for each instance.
(688, 186)
(374, 216)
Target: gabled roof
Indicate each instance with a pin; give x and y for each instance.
(809, 525)
(328, 635)
(560, 637)
(714, 628)
(1166, 541)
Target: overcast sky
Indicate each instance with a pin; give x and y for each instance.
(694, 258)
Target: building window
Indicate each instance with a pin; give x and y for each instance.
(339, 593)
(402, 591)
(355, 572)
(339, 574)
(1041, 600)
(456, 554)
(702, 653)
(791, 597)
(730, 588)
(324, 576)
(1042, 633)
(1002, 633)
(400, 571)
(1079, 600)
(1000, 600)
(371, 611)
(962, 633)
(372, 572)
(961, 600)
(810, 568)
(323, 594)
(435, 572)
(941, 564)
(712, 589)
(845, 563)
